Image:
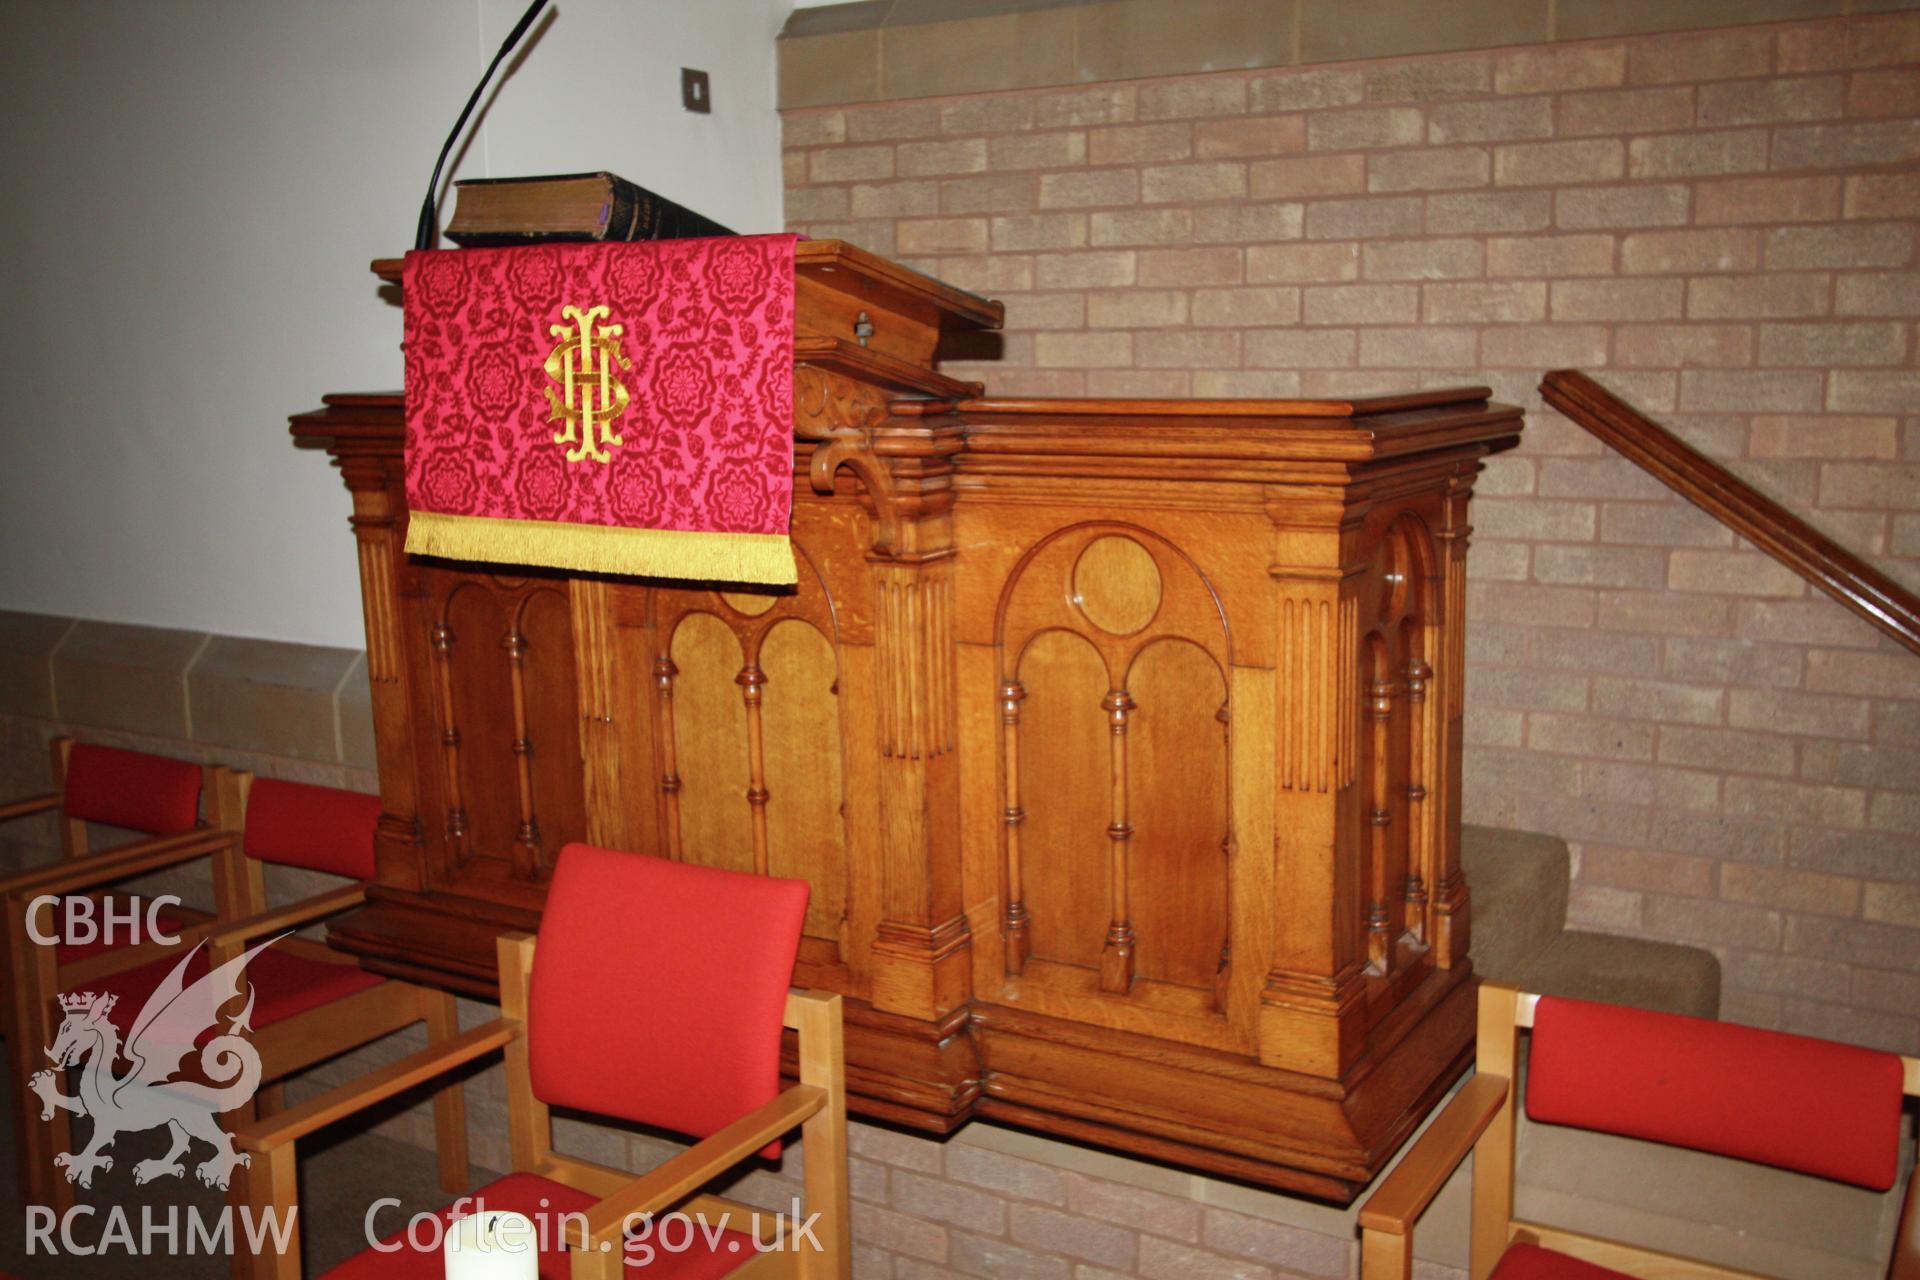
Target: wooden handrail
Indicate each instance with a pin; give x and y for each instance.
(1733, 502)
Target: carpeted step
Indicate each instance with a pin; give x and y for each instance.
(1519, 885)
(1664, 976)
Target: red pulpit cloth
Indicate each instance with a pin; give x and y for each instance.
(611, 408)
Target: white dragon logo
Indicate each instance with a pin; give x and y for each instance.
(147, 1095)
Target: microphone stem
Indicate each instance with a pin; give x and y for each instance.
(427, 232)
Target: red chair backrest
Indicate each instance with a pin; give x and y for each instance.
(659, 988)
(297, 824)
(131, 789)
(1790, 1101)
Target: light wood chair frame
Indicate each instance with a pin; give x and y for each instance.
(817, 1105)
(75, 841)
(242, 917)
(73, 832)
(1480, 1119)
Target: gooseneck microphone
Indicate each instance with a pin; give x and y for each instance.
(426, 233)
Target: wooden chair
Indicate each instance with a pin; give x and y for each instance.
(310, 1002)
(1814, 1106)
(656, 995)
(154, 796)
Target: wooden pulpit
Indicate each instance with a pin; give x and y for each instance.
(1119, 741)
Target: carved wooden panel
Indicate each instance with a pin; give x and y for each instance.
(1056, 864)
(748, 738)
(710, 821)
(1181, 825)
(1395, 602)
(806, 808)
(1115, 744)
(505, 731)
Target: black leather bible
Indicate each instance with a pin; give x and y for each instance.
(568, 206)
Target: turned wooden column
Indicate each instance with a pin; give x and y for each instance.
(1450, 919)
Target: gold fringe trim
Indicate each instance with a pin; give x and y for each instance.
(763, 558)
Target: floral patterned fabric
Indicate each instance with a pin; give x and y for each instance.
(706, 437)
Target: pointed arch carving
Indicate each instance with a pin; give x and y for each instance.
(1113, 694)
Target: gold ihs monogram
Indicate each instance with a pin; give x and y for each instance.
(591, 394)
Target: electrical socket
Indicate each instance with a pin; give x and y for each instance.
(696, 94)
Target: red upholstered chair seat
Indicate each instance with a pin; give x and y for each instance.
(542, 1199)
(1531, 1262)
(283, 985)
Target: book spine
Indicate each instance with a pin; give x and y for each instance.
(623, 209)
(632, 213)
(655, 217)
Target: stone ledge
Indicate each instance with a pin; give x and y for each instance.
(265, 697)
(887, 50)
(27, 642)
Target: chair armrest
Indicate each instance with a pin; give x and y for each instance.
(693, 1168)
(29, 804)
(376, 1086)
(1397, 1203)
(92, 870)
(78, 973)
(1906, 1238)
(291, 916)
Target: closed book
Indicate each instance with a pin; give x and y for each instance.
(570, 206)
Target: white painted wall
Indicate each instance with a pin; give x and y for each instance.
(194, 189)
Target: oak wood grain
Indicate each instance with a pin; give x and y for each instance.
(1397, 1203)
(1066, 723)
(1732, 501)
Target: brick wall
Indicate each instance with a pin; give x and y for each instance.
(1720, 225)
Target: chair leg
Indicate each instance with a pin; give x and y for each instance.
(1495, 1053)
(33, 1137)
(591, 1264)
(823, 1138)
(41, 1181)
(267, 1185)
(239, 1195)
(1385, 1257)
(442, 1014)
(30, 1029)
